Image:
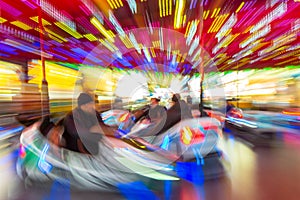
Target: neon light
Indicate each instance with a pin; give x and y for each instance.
(55, 34)
(214, 12)
(8, 8)
(220, 22)
(126, 41)
(277, 12)
(101, 28)
(170, 7)
(134, 42)
(26, 48)
(291, 113)
(2, 20)
(67, 29)
(147, 54)
(227, 26)
(132, 5)
(240, 7)
(21, 25)
(90, 37)
(94, 10)
(22, 151)
(111, 4)
(153, 52)
(115, 23)
(58, 15)
(44, 22)
(31, 5)
(43, 165)
(178, 16)
(194, 45)
(164, 7)
(256, 36)
(165, 143)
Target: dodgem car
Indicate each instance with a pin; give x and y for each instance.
(188, 139)
(126, 159)
(40, 161)
(263, 124)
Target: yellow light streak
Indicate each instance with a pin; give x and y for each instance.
(183, 57)
(184, 20)
(170, 8)
(36, 19)
(286, 61)
(126, 41)
(116, 3)
(248, 29)
(220, 22)
(39, 30)
(187, 29)
(213, 24)
(121, 3)
(21, 25)
(2, 20)
(156, 44)
(214, 12)
(110, 4)
(54, 38)
(178, 13)
(90, 37)
(160, 8)
(69, 30)
(152, 52)
(55, 34)
(240, 7)
(163, 8)
(272, 56)
(167, 9)
(231, 39)
(217, 13)
(101, 28)
(206, 14)
(107, 45)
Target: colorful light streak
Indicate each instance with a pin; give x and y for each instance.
(67, 29)
(58, 15)
(178, 15)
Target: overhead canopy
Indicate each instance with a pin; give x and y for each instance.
(159, 35)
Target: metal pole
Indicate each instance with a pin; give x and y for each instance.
(44, 90)
(201, 67)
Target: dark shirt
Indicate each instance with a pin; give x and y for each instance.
(156, 113)
(180, 110)
(77, 124)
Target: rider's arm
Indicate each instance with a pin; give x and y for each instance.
(80, 130)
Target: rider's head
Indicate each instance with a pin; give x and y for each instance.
(176, 97)
(86, 103)
(154, 101)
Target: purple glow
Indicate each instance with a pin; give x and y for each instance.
(255, 16)
(85, 10)
(195, 3)
(30, 5)
(191, 4)
(85, 23)
(243, 19)
(9, 9)
(245, 5)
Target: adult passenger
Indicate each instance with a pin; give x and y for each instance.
(84, 126)
(156, 111)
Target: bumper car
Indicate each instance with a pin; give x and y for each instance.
(172, 155)
(192, 141)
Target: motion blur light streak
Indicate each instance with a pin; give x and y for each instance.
(131, 50)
